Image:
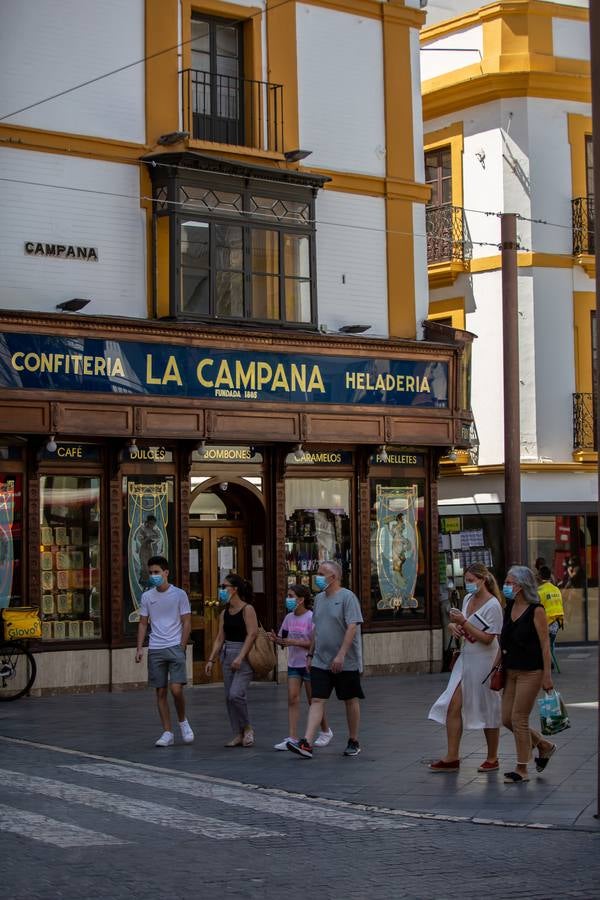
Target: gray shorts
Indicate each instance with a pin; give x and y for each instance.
(166, 664)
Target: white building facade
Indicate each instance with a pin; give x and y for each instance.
(506, 97)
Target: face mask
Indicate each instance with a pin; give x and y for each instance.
(155, 580)
(471, 587)
(223, 595)
(508, 591)
(321, 582)
(290, 604)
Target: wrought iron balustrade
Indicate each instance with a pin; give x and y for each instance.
(229, 110)
(447, 236)
(584, 422)
(583, 226)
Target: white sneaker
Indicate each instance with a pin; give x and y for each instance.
(187, 735)
(166, 739)
(323, 738)
(283, 744)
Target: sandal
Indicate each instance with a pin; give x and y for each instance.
(515, 778)
(488, 766)
(234, 742)
(441, 766)
(542, 761)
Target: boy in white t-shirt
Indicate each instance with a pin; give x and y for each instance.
(168, 609)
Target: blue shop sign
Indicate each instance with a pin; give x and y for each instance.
(71, 452)
(41, 362)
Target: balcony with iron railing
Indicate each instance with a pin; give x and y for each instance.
(584, 423)
(448, 243)
(227, 110)
(583, 226)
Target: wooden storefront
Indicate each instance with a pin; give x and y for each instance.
(103, 464)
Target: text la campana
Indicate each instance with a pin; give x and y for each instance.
(236, 375)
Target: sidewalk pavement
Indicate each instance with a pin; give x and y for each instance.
(397, 744)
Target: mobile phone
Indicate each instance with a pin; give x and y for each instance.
(284, 633)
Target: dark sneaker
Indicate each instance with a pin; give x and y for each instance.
(302, 748)
(353, 748)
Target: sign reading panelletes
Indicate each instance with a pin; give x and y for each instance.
(60, 363)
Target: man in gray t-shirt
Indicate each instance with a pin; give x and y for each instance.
(334, 658)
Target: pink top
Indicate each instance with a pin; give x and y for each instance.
(299, 628)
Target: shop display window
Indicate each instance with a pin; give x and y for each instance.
(70, 557)
(148, 530)
(11, 539)
(568, 544)
(464, 540)
(398, 550)
(317, 528)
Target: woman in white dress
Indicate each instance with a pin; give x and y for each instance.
(467, 702)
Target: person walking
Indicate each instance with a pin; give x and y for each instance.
(551, 599)
(168, 610)
(334, 658)
(467, 701)
(238, 627)
(296, 634)
(525, 655)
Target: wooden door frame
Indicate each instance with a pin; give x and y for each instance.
(209, 532)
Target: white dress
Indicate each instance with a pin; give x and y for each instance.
(480, 705)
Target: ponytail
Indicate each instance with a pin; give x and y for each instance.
(481, 571)
(243, 587)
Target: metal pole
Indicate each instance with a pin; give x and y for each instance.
(595, 72)
(512, 423)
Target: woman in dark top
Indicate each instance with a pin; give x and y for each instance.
(525, 654)
(238, 627)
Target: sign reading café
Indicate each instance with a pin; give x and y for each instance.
(61, 363)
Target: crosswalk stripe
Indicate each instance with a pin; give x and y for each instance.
(51, 831)
(131, 808)
(279, 806)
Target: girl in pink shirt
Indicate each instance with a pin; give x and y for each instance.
(296, 634)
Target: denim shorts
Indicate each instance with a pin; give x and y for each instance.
(166, 664)
(299, 672)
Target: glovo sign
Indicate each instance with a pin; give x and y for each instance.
(22, 623)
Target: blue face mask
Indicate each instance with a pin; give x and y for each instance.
(321, 582)
(508, 591)
(155, 580)
(471, 587)
(223, 595)
(291, 603)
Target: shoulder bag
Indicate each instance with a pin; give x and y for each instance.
(497, 677)
(262, 655)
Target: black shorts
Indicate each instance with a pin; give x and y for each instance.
(347, 684)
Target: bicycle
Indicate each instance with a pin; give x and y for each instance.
(18, 669)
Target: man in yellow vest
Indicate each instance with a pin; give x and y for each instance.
(551, 599)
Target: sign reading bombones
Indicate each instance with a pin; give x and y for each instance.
(42, 362)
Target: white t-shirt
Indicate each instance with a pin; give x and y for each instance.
(164, 609)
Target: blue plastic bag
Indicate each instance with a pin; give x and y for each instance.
(553, 713)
